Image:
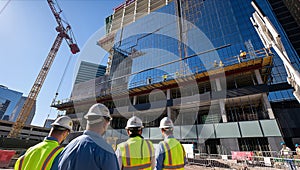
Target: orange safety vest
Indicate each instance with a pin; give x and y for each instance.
(137, 153)
(174, 154)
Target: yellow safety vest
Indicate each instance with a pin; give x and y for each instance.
(174, 154)
(136, 153)
(39, 157)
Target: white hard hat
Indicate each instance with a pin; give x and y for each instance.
(63, 121)
(97, 111)
(166, 123)
(134, 122)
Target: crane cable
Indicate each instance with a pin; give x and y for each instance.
(65, 20)
(4, 7)
(62, 78)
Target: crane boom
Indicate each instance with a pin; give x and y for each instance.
(63, 33)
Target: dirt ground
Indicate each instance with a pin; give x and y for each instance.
(195, 167)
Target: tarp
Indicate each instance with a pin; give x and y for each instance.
(5, 157)
(237, 155)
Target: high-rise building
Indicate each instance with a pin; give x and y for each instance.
(88, 71)
(288, 14)
(4, 103)
(48, 123)
(11, 103)
(11, 98)
(15, 113)
(294, 8)
(202, 64)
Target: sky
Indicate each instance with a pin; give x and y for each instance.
(27, 32)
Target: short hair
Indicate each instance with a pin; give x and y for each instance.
(59, 128)
(134, 130)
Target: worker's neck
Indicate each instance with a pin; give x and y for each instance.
(58, 137)
(98, 130)
(168, 136)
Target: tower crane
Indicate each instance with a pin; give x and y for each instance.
(64, 32)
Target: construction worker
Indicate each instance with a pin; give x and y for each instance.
(165, 76)
(286, 154)
(170, 153)
(90, 150)
(243, 54)
(297, 150)
(285, 151)
(215, 63)
(41, 155)
(136, 152)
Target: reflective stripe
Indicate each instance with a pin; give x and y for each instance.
(127, 153)
(45, 164)
(169, 153)
(136, 167)
(21, 162)
(136, 154)
(173, 166)
(150, 150)
(173, 158)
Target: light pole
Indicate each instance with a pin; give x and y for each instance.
(270, 38)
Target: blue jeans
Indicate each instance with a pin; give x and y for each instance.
(291, 164)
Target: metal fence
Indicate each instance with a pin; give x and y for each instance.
(266, 159)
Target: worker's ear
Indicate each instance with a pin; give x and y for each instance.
(66, 133)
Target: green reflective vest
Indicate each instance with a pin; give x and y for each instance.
(40, 156)
(174, 154)
(137, 153)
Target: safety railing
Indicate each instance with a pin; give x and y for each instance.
(271, 159)
(159, 78)
(186, 71)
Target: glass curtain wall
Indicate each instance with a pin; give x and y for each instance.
(172, 47)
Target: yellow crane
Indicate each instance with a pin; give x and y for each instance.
(64, 32)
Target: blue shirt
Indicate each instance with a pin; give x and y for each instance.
(87, 152)
(50, 138)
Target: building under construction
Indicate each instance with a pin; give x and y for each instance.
(199, 62)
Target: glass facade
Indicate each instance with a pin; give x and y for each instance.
(162, 46)
(3, 106)
(9, 95)
(88, 71)
(11, 103)
(15, 113)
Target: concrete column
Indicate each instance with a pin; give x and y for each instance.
(169, 112)
(134, 13)
(134, 100)
(218, 84)
(168, 94)
(149, 5)
(223, 111)
(265, 99)
(169, 108)
(123, 16)
(221, 101)
(258, 77)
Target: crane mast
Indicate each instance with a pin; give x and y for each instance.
(64, 32)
